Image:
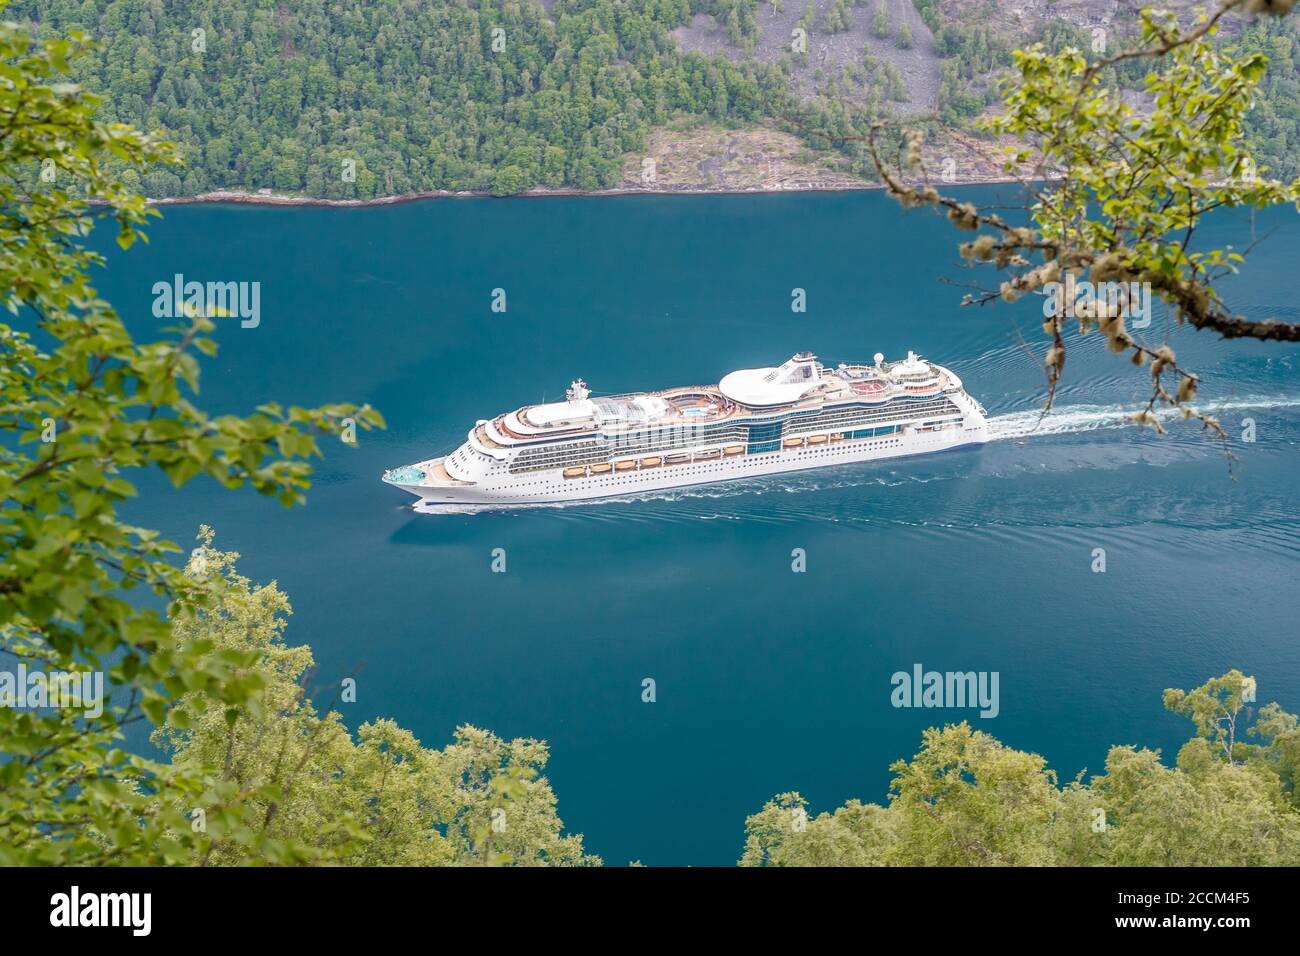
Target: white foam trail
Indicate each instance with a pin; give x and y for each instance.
(1067, 419)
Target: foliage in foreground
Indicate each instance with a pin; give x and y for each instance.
(83, 406)
(965, 799)
(303, 779)
(256, 773)
(1117, 193)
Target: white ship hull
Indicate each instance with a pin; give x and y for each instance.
(553, 487)
(755, 422)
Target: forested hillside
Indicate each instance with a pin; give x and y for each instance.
(1274, 124)
(365, 98)
(376, 97)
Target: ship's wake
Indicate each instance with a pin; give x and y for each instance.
(1069, 419)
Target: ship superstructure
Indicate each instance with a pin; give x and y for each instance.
(759, 421)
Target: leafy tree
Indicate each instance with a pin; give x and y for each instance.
(509, 179)
(379, 799)
(892, 80)
(782, 834)
(1204, 812)
(1118, 193)
(965, 799)
(809, 14)
(839, 17)
(929, 11)
(880, 21)
(1214, 708)
(84, 406)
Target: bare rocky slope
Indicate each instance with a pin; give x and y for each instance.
(711, 158)
(830, 53)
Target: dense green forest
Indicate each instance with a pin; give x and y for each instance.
(378, 97)
(363, 98)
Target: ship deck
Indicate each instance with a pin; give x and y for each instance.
(705, 404)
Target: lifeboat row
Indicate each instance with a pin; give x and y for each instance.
(653, 461)
(799, 442)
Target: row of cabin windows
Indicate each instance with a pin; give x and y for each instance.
(662, 440)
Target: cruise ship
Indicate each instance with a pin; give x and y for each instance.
(758, 421)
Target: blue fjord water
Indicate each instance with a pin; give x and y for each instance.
(767, 680)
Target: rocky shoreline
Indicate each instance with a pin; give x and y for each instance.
(268, 198)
